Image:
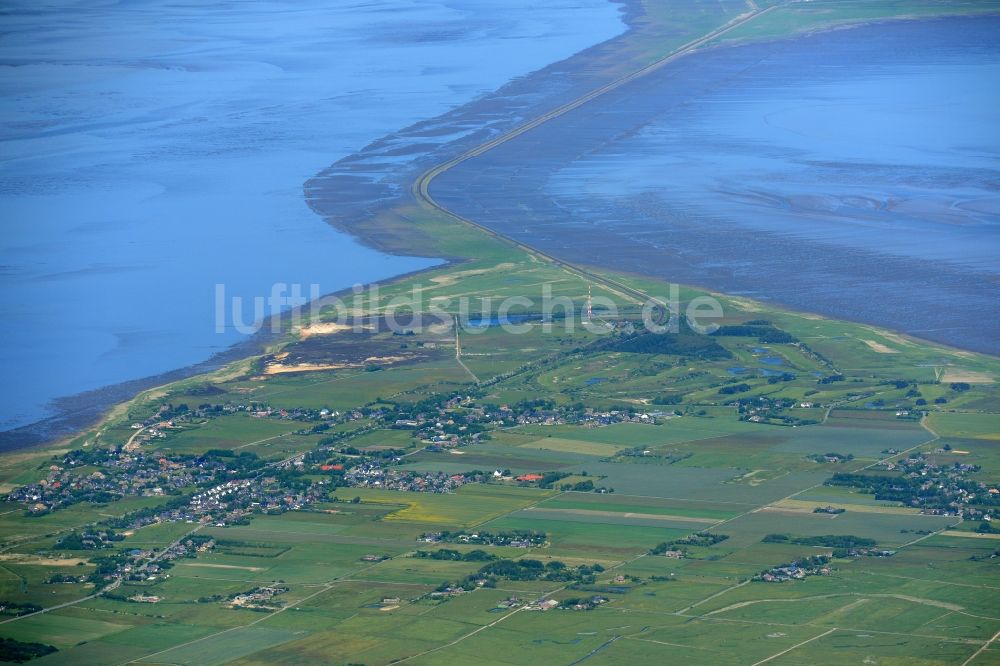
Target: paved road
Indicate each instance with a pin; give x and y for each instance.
(109, 588)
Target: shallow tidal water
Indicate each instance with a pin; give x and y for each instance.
(854, 173)
(151, 150)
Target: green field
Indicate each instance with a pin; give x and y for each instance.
(469, 506)
(679, 465)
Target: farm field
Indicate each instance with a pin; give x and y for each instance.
(655, 527)
(785, 490)
(678, 518)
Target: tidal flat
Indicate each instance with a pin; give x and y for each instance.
(151, 152)
(851, 173)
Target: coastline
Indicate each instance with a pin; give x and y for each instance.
(88, 409)
(379, 228)
(816, 277)
(68, 412)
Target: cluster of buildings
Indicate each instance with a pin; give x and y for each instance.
(119, 473)
(543, 605)
(145, 598)
(259, 598)
(374, 474)
(584, 604)
(511, 539)
(779, 411)
(831, 457)
(946, 489)
(89, 539)
(64, 486)
(866, 552)
(146, 433)
(797, 570)
(459, 420)
(145, 565)
(218, 497)
(234, 502)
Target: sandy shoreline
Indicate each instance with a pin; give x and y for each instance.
(555, 32)
(77, 412)
(356, 199)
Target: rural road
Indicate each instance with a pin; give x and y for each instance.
(109, 588)
(421, 187)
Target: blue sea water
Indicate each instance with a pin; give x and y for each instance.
(150, 150)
